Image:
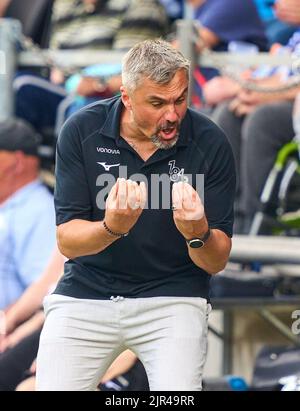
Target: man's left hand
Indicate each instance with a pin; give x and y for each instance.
(189, 216)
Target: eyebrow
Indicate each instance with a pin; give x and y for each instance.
(157, 98)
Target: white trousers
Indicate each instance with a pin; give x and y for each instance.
(82, 337)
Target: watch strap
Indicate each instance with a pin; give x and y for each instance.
(204, 238)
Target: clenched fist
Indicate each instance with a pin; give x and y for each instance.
(188, 209)
(124, 205)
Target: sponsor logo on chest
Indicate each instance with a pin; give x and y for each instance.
(108, 150)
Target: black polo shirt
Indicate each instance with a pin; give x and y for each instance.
(153, 259)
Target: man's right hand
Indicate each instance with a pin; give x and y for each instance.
(124, 205)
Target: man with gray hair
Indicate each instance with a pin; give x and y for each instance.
(137, 275)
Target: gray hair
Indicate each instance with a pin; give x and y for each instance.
(156, 60)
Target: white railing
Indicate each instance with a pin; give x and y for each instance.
(266, 249)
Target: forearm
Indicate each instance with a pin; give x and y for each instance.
(219, 89)
(287, 95)
(78, 238)
(121, 365)
(213, 256)
(29, 303)
(32, 298)
(246, 103)
(27, 328)
(208, 37)
(292, 93)
(34, 323)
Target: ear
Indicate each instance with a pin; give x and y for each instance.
(125, 98)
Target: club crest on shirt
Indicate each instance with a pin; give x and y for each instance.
(176, 173)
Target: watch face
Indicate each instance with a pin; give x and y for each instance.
(196, 243)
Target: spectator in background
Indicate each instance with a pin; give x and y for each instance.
(86, 23)
(174, 8)
(288, 11)
(143, 20)
(22, 323)
(3, 7)
(80, 25)
(16, 361)
(126, 373)
(31, 300)
(21, 326)
(27, 220)
(106, 24)
(222, 22)
(277, 29)
(93, 83)
(257, 125)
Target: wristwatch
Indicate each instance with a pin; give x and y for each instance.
(199, 242)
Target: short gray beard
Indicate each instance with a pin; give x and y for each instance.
(156, 140)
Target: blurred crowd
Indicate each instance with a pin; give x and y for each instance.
(258, 124)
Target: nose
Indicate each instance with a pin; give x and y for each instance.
(171, 114)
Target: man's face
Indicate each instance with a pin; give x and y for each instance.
(8, 174)
(7, 165)
(158, 109)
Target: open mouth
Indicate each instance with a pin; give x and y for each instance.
(168, 133)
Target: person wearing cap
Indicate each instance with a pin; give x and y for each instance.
(137, 276)
(27, 218)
